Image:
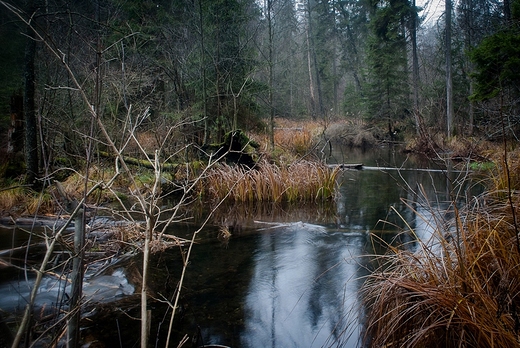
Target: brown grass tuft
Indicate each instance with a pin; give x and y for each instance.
(10, 197)
(297, 141)
(299, 182)
(353, 132)
(465, 293)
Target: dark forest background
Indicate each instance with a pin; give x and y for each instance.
(214, 66)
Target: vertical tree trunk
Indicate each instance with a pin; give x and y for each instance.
(271, 72)
(77, 281)
(311, 60)
(320, 108)
(507, 11)
(15, 135)
(203, 75)
(415, 72)
(468, 7)
(335, 41)
(151, 215)
(449, 81)
(471, 110)
(145, 315)
(311, 83)
(29, 106)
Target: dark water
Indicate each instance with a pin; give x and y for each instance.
(289, 276)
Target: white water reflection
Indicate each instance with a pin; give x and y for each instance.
(303, 291)
(54, 292)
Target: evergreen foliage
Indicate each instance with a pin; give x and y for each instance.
(205, 63)
(497, 61)
(387, 98)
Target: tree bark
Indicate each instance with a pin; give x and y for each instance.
(271, 72)
(309, 63)
(507, 11)
(16, 133)
(415, 72)
(29, 106)
(449, 81)
(77, 281)
(203, 75)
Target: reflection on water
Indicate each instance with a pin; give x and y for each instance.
(296, 284)
(303, 288)
(292, 278)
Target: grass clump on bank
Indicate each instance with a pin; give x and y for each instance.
(301, 181)
(464, 292)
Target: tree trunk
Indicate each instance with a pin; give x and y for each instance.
(77, 281)
(271, 73)
(312, 106)
(29, 106)
(203, 76)
(16, 133)
(320, 111)
(151, 215)
(507, 11)
(449, 81)
(415, 73)
(145, 316)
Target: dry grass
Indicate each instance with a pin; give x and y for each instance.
(466, 293)
(18, 199)
(23, 200)
(353, 132)
(293, 139)
(296, 137)
(11, 196)
(299, 182)
(503, 177)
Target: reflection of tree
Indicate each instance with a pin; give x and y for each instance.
(391, 203)
(337, 275)
(303, 287)
(365, 199)
(213, 292)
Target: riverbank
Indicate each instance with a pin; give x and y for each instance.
(122, 190)
(294, 173)
(460, 289)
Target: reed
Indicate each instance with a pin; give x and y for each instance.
(39, 203)
(464, 292)
(302, 181)
(12, 196)
(293, 139)
(298, 141)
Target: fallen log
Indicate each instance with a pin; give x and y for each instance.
(357, 166)
(140, 162)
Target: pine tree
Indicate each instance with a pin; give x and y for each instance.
(388, 96)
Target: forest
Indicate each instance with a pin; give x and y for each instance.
(125, 103)
(217, 66)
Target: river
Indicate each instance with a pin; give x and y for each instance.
(290, 276)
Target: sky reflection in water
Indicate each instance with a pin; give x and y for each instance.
(303, 290)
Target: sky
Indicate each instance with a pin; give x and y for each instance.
(432, 9)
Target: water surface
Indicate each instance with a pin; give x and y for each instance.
(289, 276)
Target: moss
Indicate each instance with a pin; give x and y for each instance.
(482, 166)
